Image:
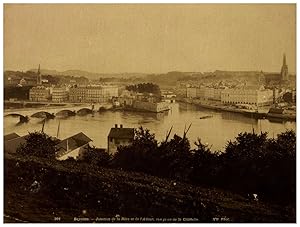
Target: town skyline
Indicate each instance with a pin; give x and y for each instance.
(149, 38)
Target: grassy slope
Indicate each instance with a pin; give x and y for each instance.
(67, 189)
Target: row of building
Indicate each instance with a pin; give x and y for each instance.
(143, 101)
(77, 94)
(75, 146)
(246, 95)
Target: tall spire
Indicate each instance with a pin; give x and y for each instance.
(284, 59)
(38, 76)
(284, 69)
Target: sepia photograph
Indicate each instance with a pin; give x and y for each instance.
(149, 113)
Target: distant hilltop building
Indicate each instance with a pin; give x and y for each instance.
(284, 69)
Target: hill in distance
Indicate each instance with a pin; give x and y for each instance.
(89, 75)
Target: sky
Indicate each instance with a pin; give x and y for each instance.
(149, 38)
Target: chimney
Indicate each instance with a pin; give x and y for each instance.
(116, 125)
(121, 126)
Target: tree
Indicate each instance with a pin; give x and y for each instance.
(38, 144)
(205, 165)
(144, 88)
(175, 158)
(139, 155)
(244, 161)
(96, 156)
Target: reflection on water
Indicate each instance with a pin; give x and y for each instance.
(216, 131)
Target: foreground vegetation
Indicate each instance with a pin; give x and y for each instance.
(44, 190)
(251, 164)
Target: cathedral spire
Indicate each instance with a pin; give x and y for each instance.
(284, 59)
(39, 76)
(284, 69)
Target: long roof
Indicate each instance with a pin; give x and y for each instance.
(12, 145)
(11, 136)
(73, 142)
(122, 133)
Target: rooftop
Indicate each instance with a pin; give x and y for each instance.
(122, 133)
(12, 145)
(11, 136)
(72, 142)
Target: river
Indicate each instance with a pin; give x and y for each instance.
(214, 131)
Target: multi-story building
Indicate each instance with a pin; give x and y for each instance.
(257, 97)
(95, 94)
(39, 94)
(207, 93)
(77, 94)
(191, 92)
(217, 94)
(59, 94)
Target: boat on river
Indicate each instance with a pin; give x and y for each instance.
(206, 117)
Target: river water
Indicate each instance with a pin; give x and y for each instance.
(214, 131)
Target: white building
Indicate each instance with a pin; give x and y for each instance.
(59, 94)
(72, 147)
(119, 136)
(39, 94)
(257, 97)
(93, 93)
(191, 92)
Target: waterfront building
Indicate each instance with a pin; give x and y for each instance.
(209, 93)
(72, 147)
(191, 92)
(200, 92)
(155, 107)
(39, 94)
(119, 136)
(217, 94)
(257, 97)
(93, 93)
(59, 94)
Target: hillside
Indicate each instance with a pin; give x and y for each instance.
(89, 75)
(70, 189)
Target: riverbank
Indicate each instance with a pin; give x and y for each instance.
(75, 192)
(248, 113)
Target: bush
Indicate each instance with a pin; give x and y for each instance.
(38, 144)
(96, 157)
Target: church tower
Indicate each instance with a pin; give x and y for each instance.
(284, 69)
(39, 76)
(261, 78)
